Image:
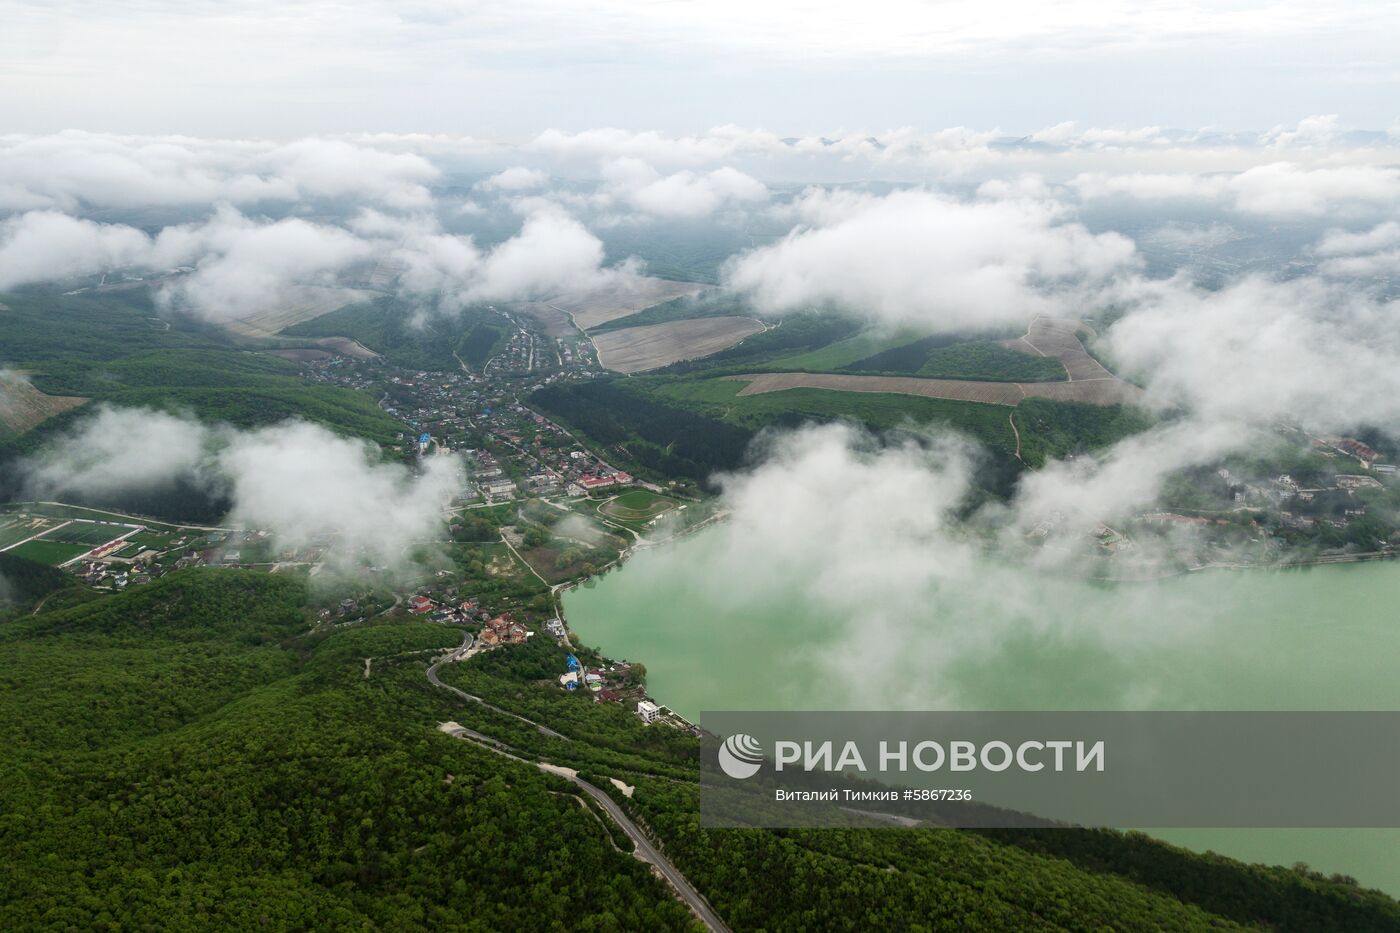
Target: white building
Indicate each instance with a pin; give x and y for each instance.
(648, 710)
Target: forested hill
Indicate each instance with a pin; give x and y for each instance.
(192, 755)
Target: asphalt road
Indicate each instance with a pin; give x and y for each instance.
(644, 848)
(433, 679)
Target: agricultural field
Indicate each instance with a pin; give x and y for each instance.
(600, 306)
(637, 349)
(1109, 391)
(1059, 339)
(841, 354)
(297, 305)
(54, 510)
(394, 329)
(22, 406)
(988, 393)
(89, 533)
(554, 321)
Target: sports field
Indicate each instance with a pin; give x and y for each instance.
(637, 505)
(49, 552)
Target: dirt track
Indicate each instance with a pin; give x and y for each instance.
(635, 349)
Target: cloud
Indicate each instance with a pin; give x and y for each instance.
(298, 482)
(681, 194)
(920, 257)
(239, 266)
(73, 170)
(1261, 349)
(1342, 243)
(515, 178)
(552, 253)
(46, 245)
(1310, 131)
(242, 266)
(1275, 189)
(303, 484)
(117, 449)
(1370, 254)
(902, 603)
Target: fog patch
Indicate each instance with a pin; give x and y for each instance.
(303, 485)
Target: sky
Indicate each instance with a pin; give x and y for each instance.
(288, 69)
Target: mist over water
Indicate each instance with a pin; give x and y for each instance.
(1001, 637)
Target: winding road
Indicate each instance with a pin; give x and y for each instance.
(644, 849)
(453, 655)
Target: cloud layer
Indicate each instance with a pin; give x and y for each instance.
(920, 257)
(299, 482)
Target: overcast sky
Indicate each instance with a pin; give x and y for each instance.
(512, 67)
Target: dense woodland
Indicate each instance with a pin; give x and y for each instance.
(113, 347)
(195, 755)
(409, 336)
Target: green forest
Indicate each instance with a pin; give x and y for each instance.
(113, 347)
(407, 337)
(693, 426)
(196, 754)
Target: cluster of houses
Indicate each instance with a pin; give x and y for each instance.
(465, 412)
(611, 684)
(502, 630)
(1351, 447)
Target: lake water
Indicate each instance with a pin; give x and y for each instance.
(1003, 638)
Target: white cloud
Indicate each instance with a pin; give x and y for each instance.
(298, 482)
(1342, 243)
(920, 257)
(515, 178)
(1259, 350)
(242, 266)
(302, 483)
(552, 253)
(681, 194)
(1310, 131)
(1275, 189)
(47, 245)
(71, 170)
(117, 449)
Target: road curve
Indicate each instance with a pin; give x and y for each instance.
(467, 643)
(644, 848)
